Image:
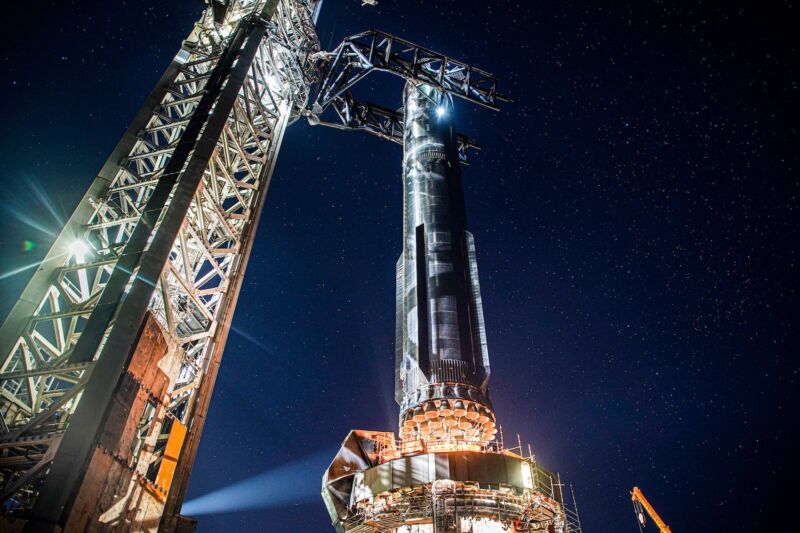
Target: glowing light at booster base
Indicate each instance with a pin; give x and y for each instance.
(473, 525)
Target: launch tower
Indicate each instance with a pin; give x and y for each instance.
(108, 360)
(110, 355)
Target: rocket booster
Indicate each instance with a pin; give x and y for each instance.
(442, 362)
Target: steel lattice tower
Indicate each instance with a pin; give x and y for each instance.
(109, 357)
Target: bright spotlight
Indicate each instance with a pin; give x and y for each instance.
(441, 111)
(78, 249)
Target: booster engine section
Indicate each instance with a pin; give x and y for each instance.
(442, 363)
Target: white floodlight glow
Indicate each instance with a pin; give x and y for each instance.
(441, 111)
(78, 249)
(293, 483)
(527, 475)
(483, 525)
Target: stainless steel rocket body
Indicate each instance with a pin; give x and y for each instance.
(440, 348)
(447, 472)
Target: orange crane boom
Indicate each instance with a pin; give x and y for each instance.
(638, 497)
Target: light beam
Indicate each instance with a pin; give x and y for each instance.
(292, 483)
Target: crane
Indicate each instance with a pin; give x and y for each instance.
(640, 503)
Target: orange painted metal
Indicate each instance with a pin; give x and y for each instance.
(638, 496)
(171, 453)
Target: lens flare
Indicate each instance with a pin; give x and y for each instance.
(44, 200)
(14, 272)
(29, 220)
(78, 249)
(248, 337)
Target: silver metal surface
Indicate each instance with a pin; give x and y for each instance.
(440, 348)
(378, 121)
(441, 330)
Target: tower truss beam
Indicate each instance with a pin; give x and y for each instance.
(381, 122)
(374, 50)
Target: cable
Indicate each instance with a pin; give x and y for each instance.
(637, 513)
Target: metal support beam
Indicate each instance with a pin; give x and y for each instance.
(379, 121)
(357, 56)
(374, 50)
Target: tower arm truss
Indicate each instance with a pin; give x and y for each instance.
(381, 122)
(374, 50)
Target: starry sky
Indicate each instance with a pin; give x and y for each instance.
(635, 216)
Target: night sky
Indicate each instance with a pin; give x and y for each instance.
(635, 216)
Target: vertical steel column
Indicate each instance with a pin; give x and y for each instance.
(165, 230)
(40, 388)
